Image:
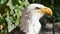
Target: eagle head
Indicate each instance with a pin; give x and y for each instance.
(30, 18)
(40, 9)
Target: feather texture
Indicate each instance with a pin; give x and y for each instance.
(30, 19)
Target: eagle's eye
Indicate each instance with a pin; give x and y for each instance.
(37, 8)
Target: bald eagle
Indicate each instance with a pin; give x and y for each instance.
(30, 18)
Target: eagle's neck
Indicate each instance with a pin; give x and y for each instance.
(34, 24)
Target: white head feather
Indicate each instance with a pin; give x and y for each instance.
(30, 19)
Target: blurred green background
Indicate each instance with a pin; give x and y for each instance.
(10, 12)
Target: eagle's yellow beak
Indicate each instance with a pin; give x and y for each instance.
(46, 10)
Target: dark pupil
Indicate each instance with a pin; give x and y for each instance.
(37, 8)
